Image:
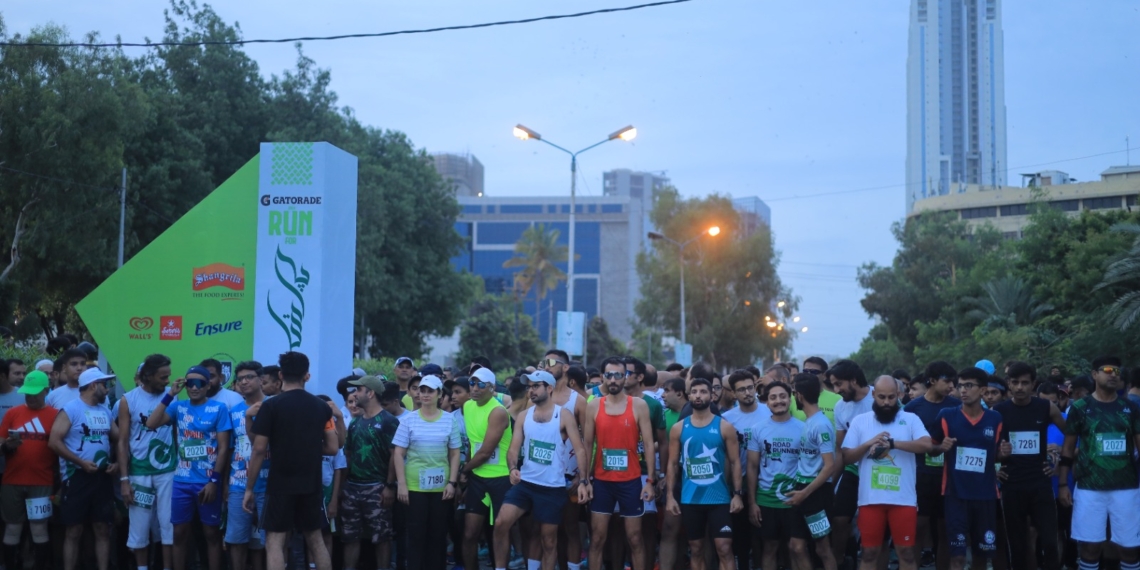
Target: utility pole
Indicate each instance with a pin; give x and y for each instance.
(122, 215)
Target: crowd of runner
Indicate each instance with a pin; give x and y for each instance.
(624, 466)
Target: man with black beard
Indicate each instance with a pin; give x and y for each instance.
(884, 444)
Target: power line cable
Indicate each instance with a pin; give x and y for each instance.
(350, 36)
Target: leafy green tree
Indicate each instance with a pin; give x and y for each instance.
(600, 344)
(1124, 273)
(1010, 298)
(489, 330)
(537, 254)
(730, 281)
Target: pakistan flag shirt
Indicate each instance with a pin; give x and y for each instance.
(779, 446)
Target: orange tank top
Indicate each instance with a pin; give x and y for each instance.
(615, 451)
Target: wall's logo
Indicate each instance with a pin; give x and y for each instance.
(218, 275)
(171, 328)
(140, 325)
(295, 279)
(210, 329)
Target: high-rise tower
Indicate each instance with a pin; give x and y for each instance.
(955, 97)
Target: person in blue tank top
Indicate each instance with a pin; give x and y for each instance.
(710, 477)
(970, 437)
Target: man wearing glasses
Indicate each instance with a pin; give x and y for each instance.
(488, 478)
(1108, 428)
(203, 450)
(744, 418)
(240, 525)
(970, 439)
(817, 367)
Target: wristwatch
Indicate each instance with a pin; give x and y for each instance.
(891, 442)
(738, 492)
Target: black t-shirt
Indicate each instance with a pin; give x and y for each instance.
(295, 422)
(1026, 428)
(927, 411)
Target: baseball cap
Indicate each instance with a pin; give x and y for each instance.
(431, 381)
(404, 359)
(461, 382)
(34, 383)
(433, 369)
(374, 383)
(45, 362)
(359, 372)
(483, 375)
(539, 376)
(985, 365)
(92, 375)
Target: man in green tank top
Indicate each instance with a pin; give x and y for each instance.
(488, 478)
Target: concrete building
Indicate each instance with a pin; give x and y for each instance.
(955, 98)
(610, 231)
(1007, 208)
(755, 215)
(464, 171)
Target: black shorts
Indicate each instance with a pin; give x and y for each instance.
(706, 520)
(809, 518)
(846, 496)
(928, 487)
(87, 498)
(974, 521)
(303, 513)
(775, 523)
(543, 504)
(479, 487)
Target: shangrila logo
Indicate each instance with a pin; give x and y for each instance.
(292, 320)
(219, 275)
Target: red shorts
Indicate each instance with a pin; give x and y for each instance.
(873, 521)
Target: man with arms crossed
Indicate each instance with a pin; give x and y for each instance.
(706, 448)
(614, 426)
(884, 444)
(1108, 429)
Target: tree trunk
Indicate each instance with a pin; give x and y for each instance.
(14, 252)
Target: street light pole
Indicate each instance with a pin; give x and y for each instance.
(713, 231)
(626, 134)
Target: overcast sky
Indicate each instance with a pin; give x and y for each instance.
(781, 100)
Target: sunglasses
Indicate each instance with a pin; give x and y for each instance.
(614, 375)
(1114, 370)
(482, 384)
(549, 362)
(247, 377)
(197, 383)
(813, 371)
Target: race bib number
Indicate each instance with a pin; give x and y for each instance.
(885, 477)
(97, 421)
(701, 468)
(144, 496)
(38, 508)
(1025, 442)
(1111, 443)
(615, 460)
(432, 479)
(818, 524)
(541, 452)
(936, 460)
(193, 450)
(244, 448)
(971, 459)
(492, 460)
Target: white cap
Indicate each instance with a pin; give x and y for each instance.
(45, 362)
(483, 375)
(431, 381)
(92, 375)
(359, 372)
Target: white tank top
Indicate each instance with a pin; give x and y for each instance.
(544, 452)
(571, 401)
(571, 461)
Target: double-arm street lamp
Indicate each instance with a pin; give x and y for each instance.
(625, 134)
(713, 231)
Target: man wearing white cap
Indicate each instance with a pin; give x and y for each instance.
(81, 437)
(539, 486)
(405, 370)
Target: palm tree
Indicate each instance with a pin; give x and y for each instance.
(1124, 272)
(1008, 297)
(538, 254)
